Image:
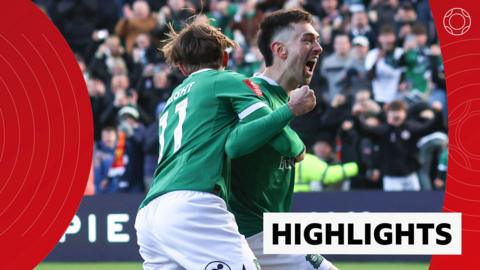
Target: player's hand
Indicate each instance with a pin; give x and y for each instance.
(302, 100)
(301, 156)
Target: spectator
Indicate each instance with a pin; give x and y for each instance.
(221, 15)
(102, 162)
(110, 56)
(247, 21)
(383, 68)
(398, 138)
(324, 149)
(334, 67)
(430, 148)
(331, 22)
(356, 76)
(312, 174)
(76, 20)
(404, 19)
(360, 27)
(99, 101)
(416, 62)
(365, 151)
(132, 179)
(137, 20)
(175, 12)
(339, 110)
(155, 91)
(144, 57)
(383, 13)
(122, 96)
(240, 63)
(151, 148)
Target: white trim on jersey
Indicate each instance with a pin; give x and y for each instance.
(267, 79)
(199, 71)
(251, 109)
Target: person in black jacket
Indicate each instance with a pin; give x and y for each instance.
(398, 138)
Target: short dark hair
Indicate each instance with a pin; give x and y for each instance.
(397, 105)
(109, 129)
(387, 29)
(275, 22)
(406, 6)
(419, 29)
(196, 46)
(341, 34)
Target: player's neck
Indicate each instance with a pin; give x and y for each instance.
(280, 76)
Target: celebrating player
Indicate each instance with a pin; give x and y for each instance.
(183, 222)
(263, 181)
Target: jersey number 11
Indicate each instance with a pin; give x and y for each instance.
(181, 110)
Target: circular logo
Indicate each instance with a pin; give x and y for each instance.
(457, 21)
(217, 265)
(405, 135)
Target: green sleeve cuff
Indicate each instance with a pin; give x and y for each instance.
(284, 114)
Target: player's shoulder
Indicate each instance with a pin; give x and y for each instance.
(258, 80)
(229, 76)
(232, 81)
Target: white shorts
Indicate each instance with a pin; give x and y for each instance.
(401, 183)
(191, 230)
(285, 262)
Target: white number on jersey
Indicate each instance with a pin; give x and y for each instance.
(181, 110)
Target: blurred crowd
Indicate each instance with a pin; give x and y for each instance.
(380, 84)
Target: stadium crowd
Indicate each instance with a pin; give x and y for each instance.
(380, 84)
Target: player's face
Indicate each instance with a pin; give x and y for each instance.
(303, 52)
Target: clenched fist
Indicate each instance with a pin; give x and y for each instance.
(302, 100)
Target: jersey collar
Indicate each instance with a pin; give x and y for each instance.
(267, 79)
(199, 71)
(274, 86)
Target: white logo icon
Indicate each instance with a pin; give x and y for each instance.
(217, 265)
(457, 21)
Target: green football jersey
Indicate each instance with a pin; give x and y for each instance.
(263, 181)
(195, 124)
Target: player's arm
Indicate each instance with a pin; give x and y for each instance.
(286, 141)
(248, 136)
(263, 124)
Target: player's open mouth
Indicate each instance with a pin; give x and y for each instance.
(310, 66)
